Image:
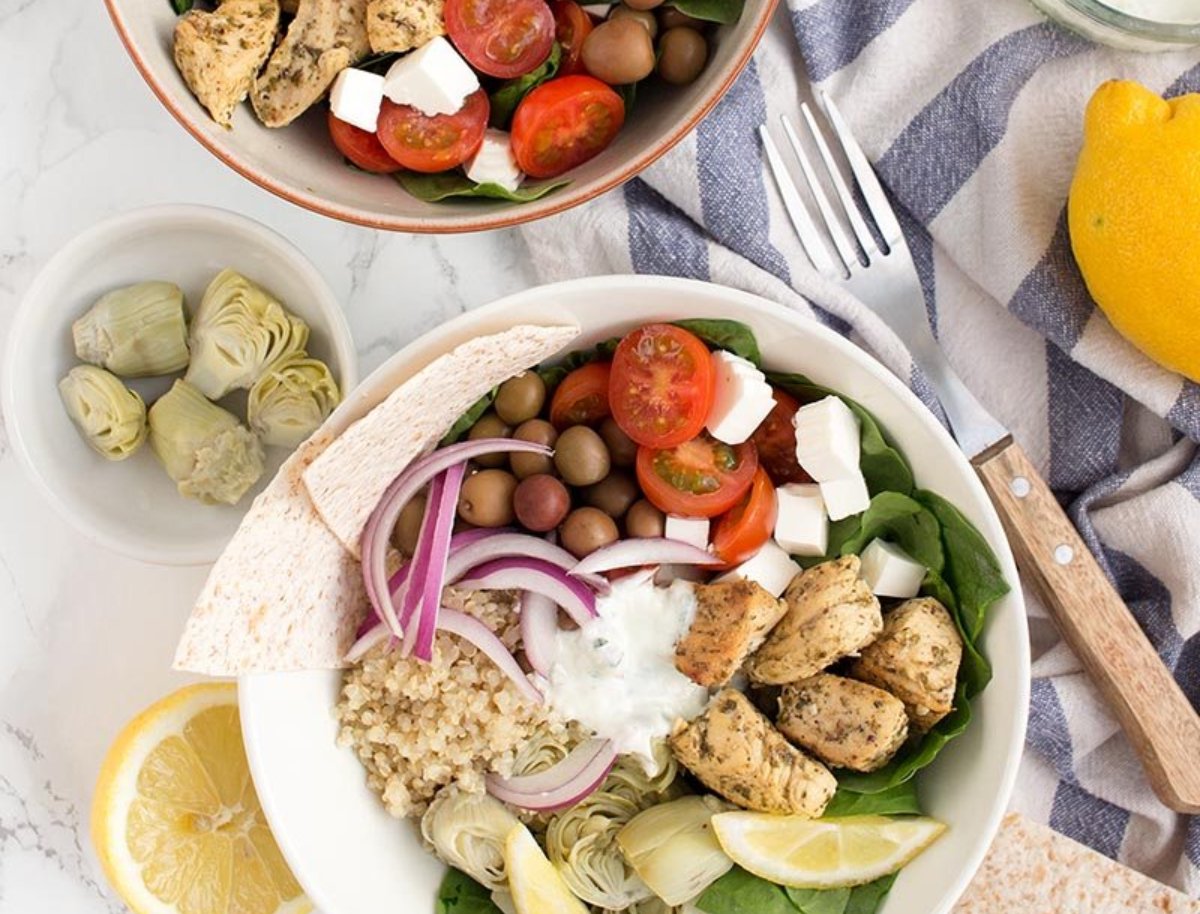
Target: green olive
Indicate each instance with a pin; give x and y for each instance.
(489, 425)
(644, 16)
(541, 502)
(669, 18)
(644, 520)
(526, 465)
(682, 54)
(521, 398)
(618, 52)
(581, 457)
(486, 499)
(613, 495)
(621, 447)
(408, 526)
(587, 529)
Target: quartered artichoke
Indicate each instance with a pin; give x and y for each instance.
(111, 417)
(212, 457)
(673, 849)
(582, 844)
(630, 779)
(467, 830)
(136, 332)
(291, 400)
(238, 330)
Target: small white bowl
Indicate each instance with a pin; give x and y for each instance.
(351, 856)
(132, 506)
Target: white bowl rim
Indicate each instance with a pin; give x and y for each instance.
(341, 341)
(442, 337)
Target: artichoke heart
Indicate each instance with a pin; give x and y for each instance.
(581, 843)
(136, 332)
(238, 330)
(467, 830)
(291, 400)
(673, 849)
(110, 416)
(212, 457)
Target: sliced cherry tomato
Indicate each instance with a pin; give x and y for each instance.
(361, 147)
(563, 123)
(775, 438)
(699, 478)
(581, 398)
(438, 143)
(503, 38)
(741, 531)
(662, 385)
(572, 25)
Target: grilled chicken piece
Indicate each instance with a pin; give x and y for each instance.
(916, 659)
(842, 722)
(732, 620)
(734, 750)
(401, 25)
(831, 614)
(324, 38)
(219, 52)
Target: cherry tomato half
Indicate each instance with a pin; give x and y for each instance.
(572, 25)
(503, 38)
(361, 147)
(699, 478)
(563, 123)
(775, 439)
(662, 385)
(581, 398)
(438, 143)
(741, 531)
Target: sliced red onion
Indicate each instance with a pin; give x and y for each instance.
(465, 626)
(538, 576)
(504, 545)
(457, 542)
(655, 550)
(375, 635)
(539, 630)
(434, 548)
(574, 778)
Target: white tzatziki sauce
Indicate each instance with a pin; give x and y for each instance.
(616, 674)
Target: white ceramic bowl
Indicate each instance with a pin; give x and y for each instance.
(351, 856)
(300, 164)
(132, 506)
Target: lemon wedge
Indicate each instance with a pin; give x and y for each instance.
(536, 886)
(175, 819)
(822, 853)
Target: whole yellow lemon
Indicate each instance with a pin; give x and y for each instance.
(1134, 216)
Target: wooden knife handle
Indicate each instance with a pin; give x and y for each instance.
(1160, 722)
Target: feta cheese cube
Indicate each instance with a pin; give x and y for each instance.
(434, 79)
(801, 524)
(494, 162)
(890, 571)
(741, 398)
(771, 568)
(827, 440)
(844, 497)
(356, 97)
(692, 530)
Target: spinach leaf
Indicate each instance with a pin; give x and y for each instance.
(819, 901)
(553, 374)
(181, 6)
(710, 10)
(460, 894)
(378, 63)
(733, 336)
(899, 800)
(628, 93)
(434, 187)
(463, 424)
(898, 519)
(504, 100)
(739, 892)
(866, 899)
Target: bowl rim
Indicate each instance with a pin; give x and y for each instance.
(505, 218)
(488, 317)
(341, 343)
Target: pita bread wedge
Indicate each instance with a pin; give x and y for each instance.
(346, 482)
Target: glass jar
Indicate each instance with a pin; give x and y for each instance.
(1138, 25)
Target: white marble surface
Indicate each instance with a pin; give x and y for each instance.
(85, 636)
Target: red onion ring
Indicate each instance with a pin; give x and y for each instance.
(577, 776)
(655, 550)
(470, 628)
(538, 576)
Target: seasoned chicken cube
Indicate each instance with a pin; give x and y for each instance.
(734, 751)
(831, 614)
(732, 620)
(219, 52)
(916, 659)
(324, 38)
(401, 25)
(842, 722)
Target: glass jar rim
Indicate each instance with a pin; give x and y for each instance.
(1139, 26)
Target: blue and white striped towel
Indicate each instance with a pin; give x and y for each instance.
(972, 111)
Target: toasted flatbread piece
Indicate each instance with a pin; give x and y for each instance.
(348, 479)
(284, 595)
(402, 25)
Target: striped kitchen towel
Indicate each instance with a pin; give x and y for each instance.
(972, 111)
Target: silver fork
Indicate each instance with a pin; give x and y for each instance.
(1162, 726)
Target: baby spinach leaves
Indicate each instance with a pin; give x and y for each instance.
(434, 187)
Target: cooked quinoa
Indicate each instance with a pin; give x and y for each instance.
(418, 726)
